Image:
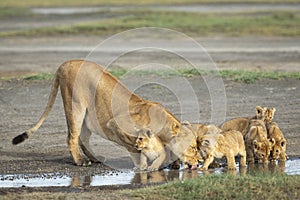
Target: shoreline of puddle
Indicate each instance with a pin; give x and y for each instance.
(133, 178)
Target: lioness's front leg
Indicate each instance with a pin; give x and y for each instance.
(84, 142)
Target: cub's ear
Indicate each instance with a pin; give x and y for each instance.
(255, 144)
(283, 142)
(272, 141)
(273, 110)
(148, 133)
(258, 110)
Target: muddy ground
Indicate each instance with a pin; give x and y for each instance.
(22, 102)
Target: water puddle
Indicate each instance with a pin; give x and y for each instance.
(129, 177)
(201, 8)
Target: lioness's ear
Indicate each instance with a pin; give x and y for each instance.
(185, 122)
(175, 129)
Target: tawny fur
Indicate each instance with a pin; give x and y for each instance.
(152, 150)
(257, 143)
(241, 124)
(279, 149)
(218, 145)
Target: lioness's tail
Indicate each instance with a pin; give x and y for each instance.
(20, 138)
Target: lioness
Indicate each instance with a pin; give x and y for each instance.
(257, 143)
(218, 145)
(241, 124)
(151, 149)
(95, 101)
(279, 149)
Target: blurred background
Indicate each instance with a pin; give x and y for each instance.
(37, 36)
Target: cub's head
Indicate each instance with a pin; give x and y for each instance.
(143, 138)
(269, 115)
(260, 112)
(277, 149)
(262, 149)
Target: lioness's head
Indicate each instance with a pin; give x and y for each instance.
(262, 149)
(184, 144)
(277, 149)
(143, 138)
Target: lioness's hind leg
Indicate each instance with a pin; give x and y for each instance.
(84, 142)
(75, 120)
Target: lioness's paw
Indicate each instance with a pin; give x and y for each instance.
(84, 163)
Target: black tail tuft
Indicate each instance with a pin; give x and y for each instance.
(20, 138)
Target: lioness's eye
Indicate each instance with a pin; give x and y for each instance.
(140, 138)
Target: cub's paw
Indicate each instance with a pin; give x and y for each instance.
(152, 168)
(203, 168)
(231, 168)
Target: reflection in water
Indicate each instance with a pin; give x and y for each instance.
(164, 176)
(129, 177)
(272, 167)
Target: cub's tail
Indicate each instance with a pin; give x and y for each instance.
(20, 138)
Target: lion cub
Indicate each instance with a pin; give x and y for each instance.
(241, 124)
(151, 148)
(218, 145)
(257, 143)
(279, 149)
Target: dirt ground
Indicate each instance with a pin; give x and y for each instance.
(22, 102)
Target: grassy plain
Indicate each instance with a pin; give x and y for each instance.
(262, 186)
(193, 24)
(235, 75)
(59, 3)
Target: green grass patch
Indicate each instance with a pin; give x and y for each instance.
(263, 186)
(252, 76)
(193, 24)
(43, 76)
(234, 75)
(9, 12)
